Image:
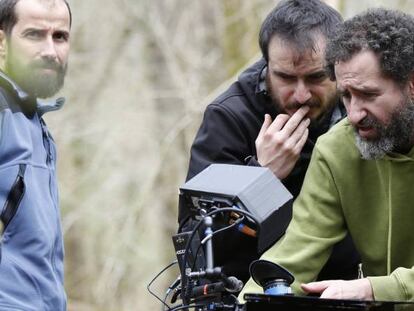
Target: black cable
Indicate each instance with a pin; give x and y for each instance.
(170, 288)
(216, 211)
(187, 307)
(182, 223)
(236, 223)
(184, 282)
(165, 302)
(156, 277)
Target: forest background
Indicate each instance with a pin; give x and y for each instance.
(141, 74)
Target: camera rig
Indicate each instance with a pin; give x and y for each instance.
(222, 197)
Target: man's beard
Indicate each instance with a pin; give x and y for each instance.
(31, 79)
(395, 137)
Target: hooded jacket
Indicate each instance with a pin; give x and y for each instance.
(230, 126)
(31, 267)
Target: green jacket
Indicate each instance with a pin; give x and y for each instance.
(373, 199)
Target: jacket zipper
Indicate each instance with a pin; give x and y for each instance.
(13, 201)
(49, 161)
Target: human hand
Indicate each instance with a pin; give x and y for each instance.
(360, 289)
(280, 142)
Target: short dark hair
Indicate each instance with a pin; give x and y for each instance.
(298, 21)
(8, 16)
(388, 33)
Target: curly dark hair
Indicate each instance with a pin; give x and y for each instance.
(298, 22)
(388, 33)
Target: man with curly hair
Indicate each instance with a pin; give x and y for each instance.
(361, 172)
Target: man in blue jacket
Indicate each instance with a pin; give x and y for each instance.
(34, 46)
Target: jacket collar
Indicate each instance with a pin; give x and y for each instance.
(29, 104)
(44, 106)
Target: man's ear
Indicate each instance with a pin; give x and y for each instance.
(3, 45)
(411, 84)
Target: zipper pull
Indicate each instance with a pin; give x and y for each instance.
(1, 237)
(360, 273)
(46, 140)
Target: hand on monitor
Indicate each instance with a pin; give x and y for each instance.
(360, 289)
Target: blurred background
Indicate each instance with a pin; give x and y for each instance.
(141, 73)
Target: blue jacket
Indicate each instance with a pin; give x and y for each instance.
(31, 268)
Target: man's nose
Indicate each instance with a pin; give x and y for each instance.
(355, 112)
(302, 93)
(49, 49)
